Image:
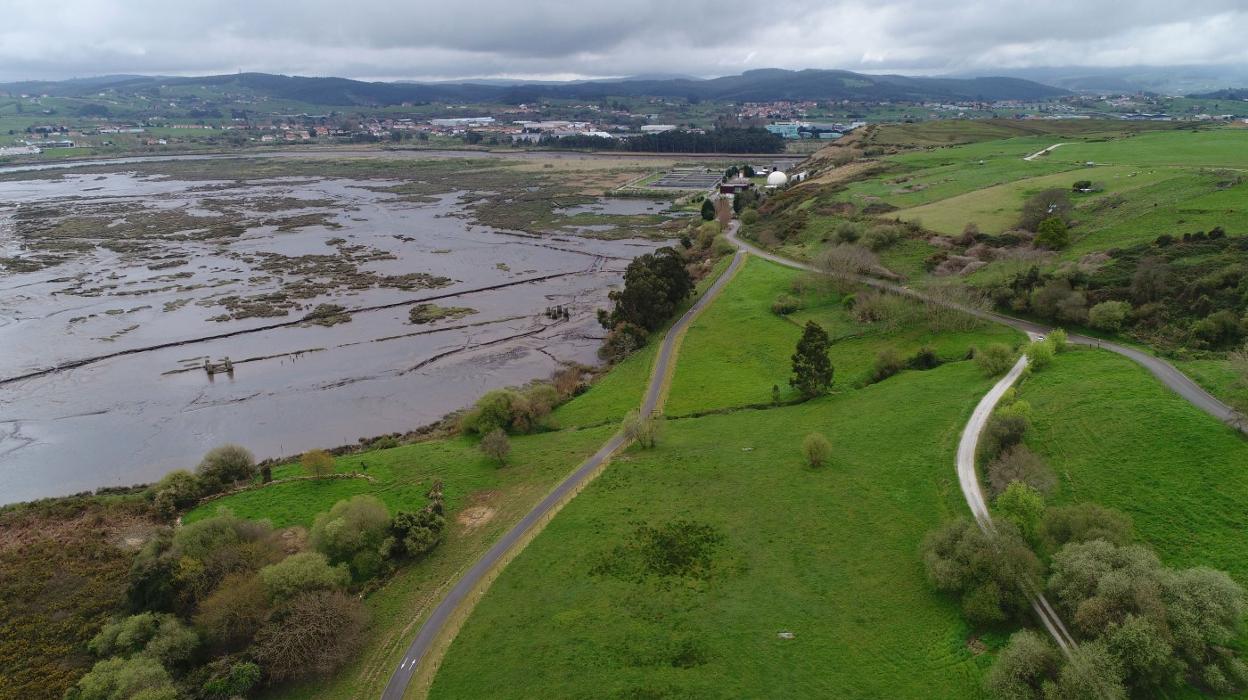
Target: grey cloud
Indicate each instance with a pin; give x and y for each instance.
(389, 39)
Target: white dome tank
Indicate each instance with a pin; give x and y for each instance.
(777, 179)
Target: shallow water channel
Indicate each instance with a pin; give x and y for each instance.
(166, 274)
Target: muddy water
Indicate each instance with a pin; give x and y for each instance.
(139, 412)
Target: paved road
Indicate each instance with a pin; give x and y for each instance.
(968, 479)
(1180, 383)
(1042, 151)
(432, 626)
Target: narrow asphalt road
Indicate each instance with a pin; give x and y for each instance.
(1167, 373)
(458, 594)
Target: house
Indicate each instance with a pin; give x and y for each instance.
(735, 185)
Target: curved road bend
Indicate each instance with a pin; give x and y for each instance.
(1167, 373)
(457, 596)
(968, 479)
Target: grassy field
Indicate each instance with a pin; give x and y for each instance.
(483, 501)
(995, 209)
(828, 555)
(1208, 148)
(1116, 436)
(738, 349)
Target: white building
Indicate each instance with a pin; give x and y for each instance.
(657, 128)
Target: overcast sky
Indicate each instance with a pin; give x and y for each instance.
(444, 39)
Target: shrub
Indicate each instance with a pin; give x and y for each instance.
(178, 489)
(644, 430)
(136, 677)
(722, 246)
(925, 358)
(749, 216)
(352, 532)
(313, 634)
(846, 232)
(1003, 431)
(881, 236)
(816, 449)
(1019, 464)
(1040, 354)
(224, 465)
(302, 572)
(416, 534)
(158, 635)
(1022, 506)
(496, 445)
(622, 341)
(1109, 315)
(317, 463)
(230, 616)
(784, 305)
(510, 410)
(995, 359)
(235, 682)
(1057, 338)
(887, 363)
(1083, 522)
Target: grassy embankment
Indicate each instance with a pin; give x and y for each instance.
(827, 554)
(1117, 436)
(482, 502)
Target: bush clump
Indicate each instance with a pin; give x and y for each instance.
(995, 359)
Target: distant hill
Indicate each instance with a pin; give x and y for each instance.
(1236, 94)
(1163, 80)
(755, 85)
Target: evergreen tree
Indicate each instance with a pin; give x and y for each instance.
(708, 210)
(812, 370)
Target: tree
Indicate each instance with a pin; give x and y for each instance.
(317, 463)
(1091, 672)
(654, 284)
(1019, 464)
(302, 572)
(995, 359)
(1022, 506)
(1109, 315)
(812, 370)
(1005, 429)
(816, 449)
(1083, 522)
(708, 210)
(1044, 205)
(225, 465)
(982, 568)
(496, 446)
(1022, 668)
(313, 634)
(353, 532)
(644, 430)
(230, 616)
